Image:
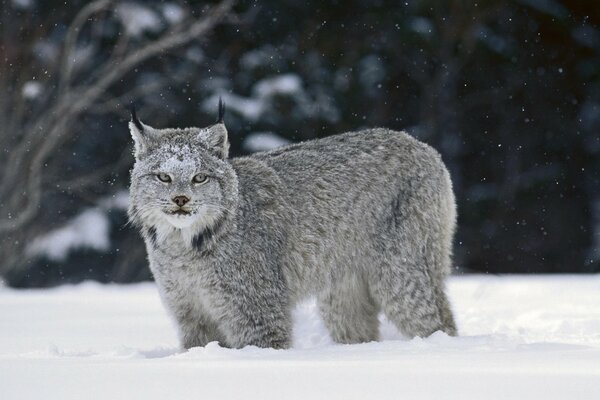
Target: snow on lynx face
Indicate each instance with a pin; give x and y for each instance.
(177, 184)
(364, 221)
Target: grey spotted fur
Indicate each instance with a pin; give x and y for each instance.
(363, 221)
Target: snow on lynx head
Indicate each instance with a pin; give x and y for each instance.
(181, 179)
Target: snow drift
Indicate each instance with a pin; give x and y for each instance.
(521, 337)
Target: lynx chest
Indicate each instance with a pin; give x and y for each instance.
(181, 273)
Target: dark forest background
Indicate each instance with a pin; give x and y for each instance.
(507, 91)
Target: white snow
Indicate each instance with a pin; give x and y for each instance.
(248, 107)
(252, 108)
(308, 102)
(371, 71)
(264, 56)
(266, 90)
(420, 25)
(522, 337)
(286, 84)
(117, 201)
(46, 50)
(137, 19)
(23, 4)
(90, 229)
(263, 141)
(31, 89)
(173, 13)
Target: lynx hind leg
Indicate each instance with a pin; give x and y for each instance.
(411, 283)
(449, 326)
(413, 301)
(349, 311)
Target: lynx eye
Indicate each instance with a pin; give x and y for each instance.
(200, 178)
(165, 178)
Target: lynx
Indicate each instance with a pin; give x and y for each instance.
(363, 221)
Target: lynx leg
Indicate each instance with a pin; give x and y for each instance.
(197, 330)
(446, 312)
(413, 301)
(349, 312)
(255, 322)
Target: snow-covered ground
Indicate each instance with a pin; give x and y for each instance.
(521, 338)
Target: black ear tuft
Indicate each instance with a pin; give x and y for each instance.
(135, 119)
(221, 111)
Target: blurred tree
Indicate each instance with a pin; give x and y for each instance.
(508, 91)
(51, 81)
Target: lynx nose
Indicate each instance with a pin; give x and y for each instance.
(180, 200)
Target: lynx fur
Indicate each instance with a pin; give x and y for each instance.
(364, 221)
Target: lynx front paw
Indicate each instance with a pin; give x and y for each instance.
(265, 338)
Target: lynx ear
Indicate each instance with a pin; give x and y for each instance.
(221, 118)
(140, 132)
(215, 139)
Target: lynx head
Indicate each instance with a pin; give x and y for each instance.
(181, 180)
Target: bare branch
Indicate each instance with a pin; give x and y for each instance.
(114, 103)
(172, 40)
(35, 146)
(66, 64)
